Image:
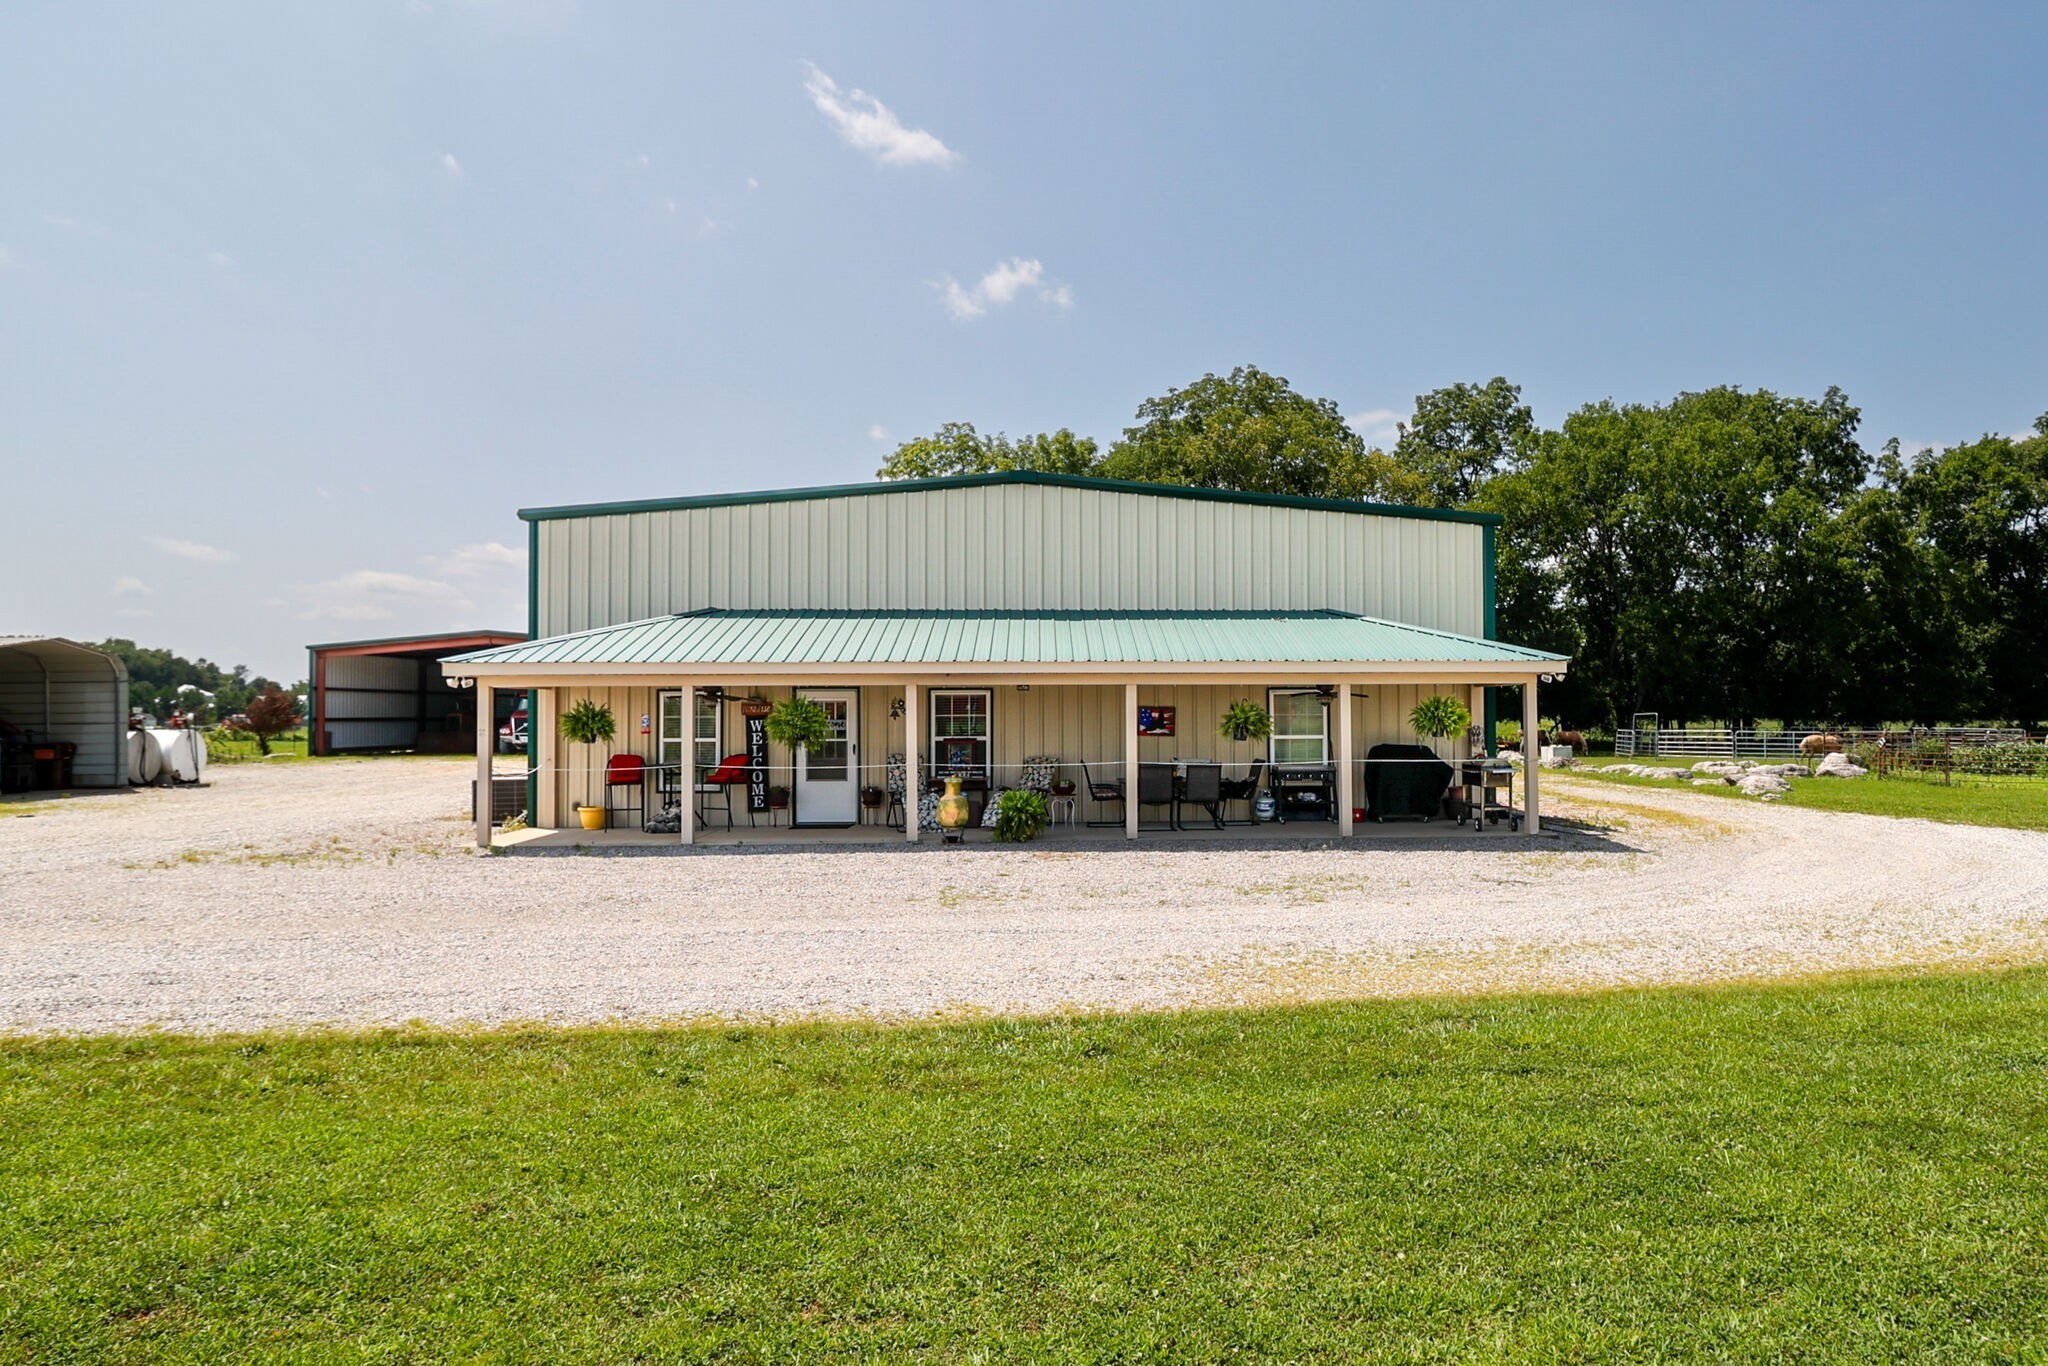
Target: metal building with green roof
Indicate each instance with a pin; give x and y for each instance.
(986, 624)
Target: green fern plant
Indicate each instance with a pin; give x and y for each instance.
(1439, 716)
(588, 723)
(798, 723)
(1020, 814)
(1245, 720)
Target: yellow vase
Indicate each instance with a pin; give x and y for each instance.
(952, 809)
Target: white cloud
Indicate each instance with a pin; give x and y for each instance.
(753, 184)
(221, 259)
(471, 563)
(128, 586)
(452, 587)
(1377, 425)
(192, 550)
(878, 433)
(451, 165)
(869, 125)
(1001, 286)
(377, 595)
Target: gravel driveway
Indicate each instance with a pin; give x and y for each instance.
(346, 893)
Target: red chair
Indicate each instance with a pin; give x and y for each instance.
(625, 770)
(732, 770)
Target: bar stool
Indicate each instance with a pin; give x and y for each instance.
(625, 770)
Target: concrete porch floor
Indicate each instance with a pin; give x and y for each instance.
(1270, 835)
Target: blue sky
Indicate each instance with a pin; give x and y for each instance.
(299, 303)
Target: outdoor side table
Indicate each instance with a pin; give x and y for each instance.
(1058, 808)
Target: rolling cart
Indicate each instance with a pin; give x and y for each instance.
(1482, 779)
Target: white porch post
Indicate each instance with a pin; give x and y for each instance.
(1130, 761)
(486, 741)
(912, 787)
(1344, 765)
(540, 719)
(686, 780)
(1530, 767)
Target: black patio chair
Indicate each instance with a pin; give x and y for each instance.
(1246, 790)
(1101, 791)
(1156, 787)
(1203, 788)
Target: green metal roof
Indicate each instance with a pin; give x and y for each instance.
(968, 481)
(790, 639)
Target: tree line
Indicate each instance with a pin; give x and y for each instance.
(1729, 554)
(161, 683)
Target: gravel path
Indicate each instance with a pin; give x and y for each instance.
(345, 893)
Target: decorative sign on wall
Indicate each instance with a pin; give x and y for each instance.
(757, 758)
(1155, 720)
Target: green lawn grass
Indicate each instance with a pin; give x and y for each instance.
(2016, 803)
(224, 748)
(1846, 1170)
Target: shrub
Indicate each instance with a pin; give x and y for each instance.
(1508, 734)
(1020, 814)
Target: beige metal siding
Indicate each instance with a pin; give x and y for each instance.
(1007, 547)
(1073, 724)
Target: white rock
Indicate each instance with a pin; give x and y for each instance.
(1710, 782)
(1839, 766)
(1670, 775)
(1720, 768)
(1761, 784)
(1782, 770)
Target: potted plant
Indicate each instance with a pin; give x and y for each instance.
(1020, 814)
(872, 797)
(1063, 788)
(1246, 720)
(778, 797)
(589, 723)
(798, 723)
(1438, 716)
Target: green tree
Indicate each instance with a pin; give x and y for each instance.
(1249, 431)
(1682, 553)
(956, 448)
(1979, 513)
(1462, 436)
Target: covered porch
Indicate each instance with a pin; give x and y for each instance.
(1107, 714)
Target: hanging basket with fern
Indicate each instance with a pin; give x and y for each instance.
(588, 723)
(799, 723)
(1245, 720)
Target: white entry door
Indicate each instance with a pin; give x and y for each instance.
(828, 775)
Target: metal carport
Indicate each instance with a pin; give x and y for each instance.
(56, 691)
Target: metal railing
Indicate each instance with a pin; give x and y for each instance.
(1728, 743)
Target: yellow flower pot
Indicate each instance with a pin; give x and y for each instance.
(592, 817)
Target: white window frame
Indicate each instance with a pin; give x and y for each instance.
(1273, 740)
(662, 739)
(932, 736)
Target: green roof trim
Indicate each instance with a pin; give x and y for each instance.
(968, 481)
(794, 639)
